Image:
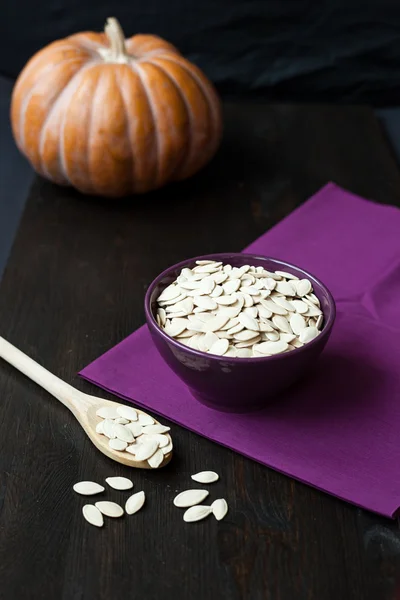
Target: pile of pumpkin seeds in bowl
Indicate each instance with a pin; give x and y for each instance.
(240, 312)
(137, 433)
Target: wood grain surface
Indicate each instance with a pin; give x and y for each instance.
(74, 286)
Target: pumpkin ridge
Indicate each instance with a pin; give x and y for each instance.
(90, 130)
(64, 91)
(138, 70)
(188, 148)
(25, 102)
(36, 58)
(206, 92)
(128, 132)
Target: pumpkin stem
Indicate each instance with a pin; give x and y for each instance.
(116, 37)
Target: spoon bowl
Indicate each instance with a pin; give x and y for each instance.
(83, 406)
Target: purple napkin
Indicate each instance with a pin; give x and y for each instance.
(340, 430)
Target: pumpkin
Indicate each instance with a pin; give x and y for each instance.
(114, 116)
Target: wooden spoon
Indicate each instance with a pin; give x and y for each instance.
(82, 406)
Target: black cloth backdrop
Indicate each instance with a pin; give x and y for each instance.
(345, 50)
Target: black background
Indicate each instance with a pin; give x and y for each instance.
(347, 50)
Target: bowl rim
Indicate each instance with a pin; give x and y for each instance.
(235, 360)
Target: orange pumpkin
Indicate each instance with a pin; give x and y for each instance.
(113, 117)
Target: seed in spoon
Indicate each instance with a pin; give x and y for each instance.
(157, 428)
(190, 498)
(167, 449)
(110, 509)
(93, 515)
(205, 477)
(88, 488)
(219, 508)
(145, 419)
(146, 450)
(119, 483)
(134, 503)
(99, 428)
(156, 460)
(121, 421)
(135, 428)
(108, 428)
(162, 439)
(117, 444)
(196, 513)
(127, 412)
(123, 433)
(107, 412)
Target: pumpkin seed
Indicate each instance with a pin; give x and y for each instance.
(205, 477)
(145, 450)
(219, 347)
(156, 460)
(107, 412)
(272, 347)
(145, 419)
(286, 275)
(196, 513)
(88, 488)
(282, 323)
(248, 322)
(93, 515)
(108, 428)
(123, 433)
(156, 429)
(243, 352)
(245, 335)
(231, 286)
(117, 444)
(300, 306)
(205, 302)
(99, 428)
(162, 439)
(134, 503)
(219, 508)
(119, 483)
(135, 428)
(308, 334)
(285, 288)
(170, 292)
(303, 287)
(167, 449)
(297, 323)
(190, 498)
(110, 509)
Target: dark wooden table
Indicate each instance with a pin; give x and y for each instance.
(74, 287)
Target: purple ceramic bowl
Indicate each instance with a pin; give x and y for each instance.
(238, 384)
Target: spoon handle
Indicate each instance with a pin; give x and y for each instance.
(61, 390)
